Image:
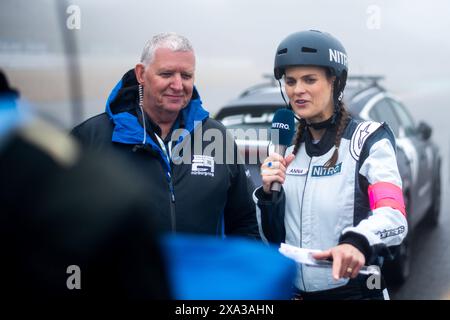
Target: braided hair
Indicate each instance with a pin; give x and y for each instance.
(343, 121)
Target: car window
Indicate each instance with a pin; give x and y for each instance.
(406, 120)
(247, 119)
(385, 112)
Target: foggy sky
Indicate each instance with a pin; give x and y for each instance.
(234, 40)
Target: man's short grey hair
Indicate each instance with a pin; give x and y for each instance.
(169, 40)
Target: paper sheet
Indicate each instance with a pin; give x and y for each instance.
(304, 256)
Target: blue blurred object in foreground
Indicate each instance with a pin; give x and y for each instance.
(210, 268)
(9, 114)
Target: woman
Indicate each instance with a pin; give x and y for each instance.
(341, 186)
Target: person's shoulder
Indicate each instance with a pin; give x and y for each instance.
(211, 123)
(365, 130)
(352, 125)
(94, 130)
(382, 132)
(101, 119)
(98, 123)
(364, 134)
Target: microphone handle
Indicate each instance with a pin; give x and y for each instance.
(280, 149)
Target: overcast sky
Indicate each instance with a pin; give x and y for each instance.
(235, 42)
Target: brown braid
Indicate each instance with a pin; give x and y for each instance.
(298, 137)
(344, 120)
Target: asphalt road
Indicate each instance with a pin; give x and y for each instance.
(430, 268)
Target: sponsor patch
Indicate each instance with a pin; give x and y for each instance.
(202, 166)
(338, 57)
(322, 171)
(359, 137)
(390, 233)
(297, 171)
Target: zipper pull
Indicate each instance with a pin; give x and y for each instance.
(172, 193)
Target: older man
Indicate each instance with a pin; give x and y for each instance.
(208, 193)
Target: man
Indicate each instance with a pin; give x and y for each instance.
(205, 194)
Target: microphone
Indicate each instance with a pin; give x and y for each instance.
(282, 133)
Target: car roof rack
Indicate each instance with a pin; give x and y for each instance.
(361, 81)
(366, 80)
(271, 83)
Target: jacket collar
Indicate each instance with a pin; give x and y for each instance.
(323, 146)
(123, 100)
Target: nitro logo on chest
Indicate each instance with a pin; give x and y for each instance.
(322, 171)
(338, 56)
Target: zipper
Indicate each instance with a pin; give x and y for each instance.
(172, 203)
(301, 215)
(167, 155)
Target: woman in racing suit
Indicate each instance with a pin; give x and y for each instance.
(341, 189)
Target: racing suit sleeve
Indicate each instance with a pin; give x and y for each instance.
(386, 223)
(270, 216)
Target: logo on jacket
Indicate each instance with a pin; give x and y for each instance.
(390, 233)
(322, 171)
(202, 166)
(338, 56)
(280, 125)
(297, 171)
(360, 135)
(363, 135)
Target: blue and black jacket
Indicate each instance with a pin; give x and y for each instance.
(185, 196)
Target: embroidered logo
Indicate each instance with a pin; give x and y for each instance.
(363, 135)
(359, 137)
(297, 171)
(203, 166)
(322, 171)
(390, 233)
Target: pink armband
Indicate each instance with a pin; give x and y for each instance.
(385, 194)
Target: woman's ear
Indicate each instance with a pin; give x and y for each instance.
(139, 71)
(333, 80)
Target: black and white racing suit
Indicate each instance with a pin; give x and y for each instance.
(358, 201)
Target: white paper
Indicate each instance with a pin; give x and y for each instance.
(304, 256)
(301, 255)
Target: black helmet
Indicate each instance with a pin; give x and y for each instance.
(313, 48)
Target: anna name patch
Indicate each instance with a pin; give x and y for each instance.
(322, 171)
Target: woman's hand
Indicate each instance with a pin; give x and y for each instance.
(347, 260)
(274, 169)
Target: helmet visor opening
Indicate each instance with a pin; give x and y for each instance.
(309, 50)
(282, 51)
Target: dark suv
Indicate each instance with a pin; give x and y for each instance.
(418, 158)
